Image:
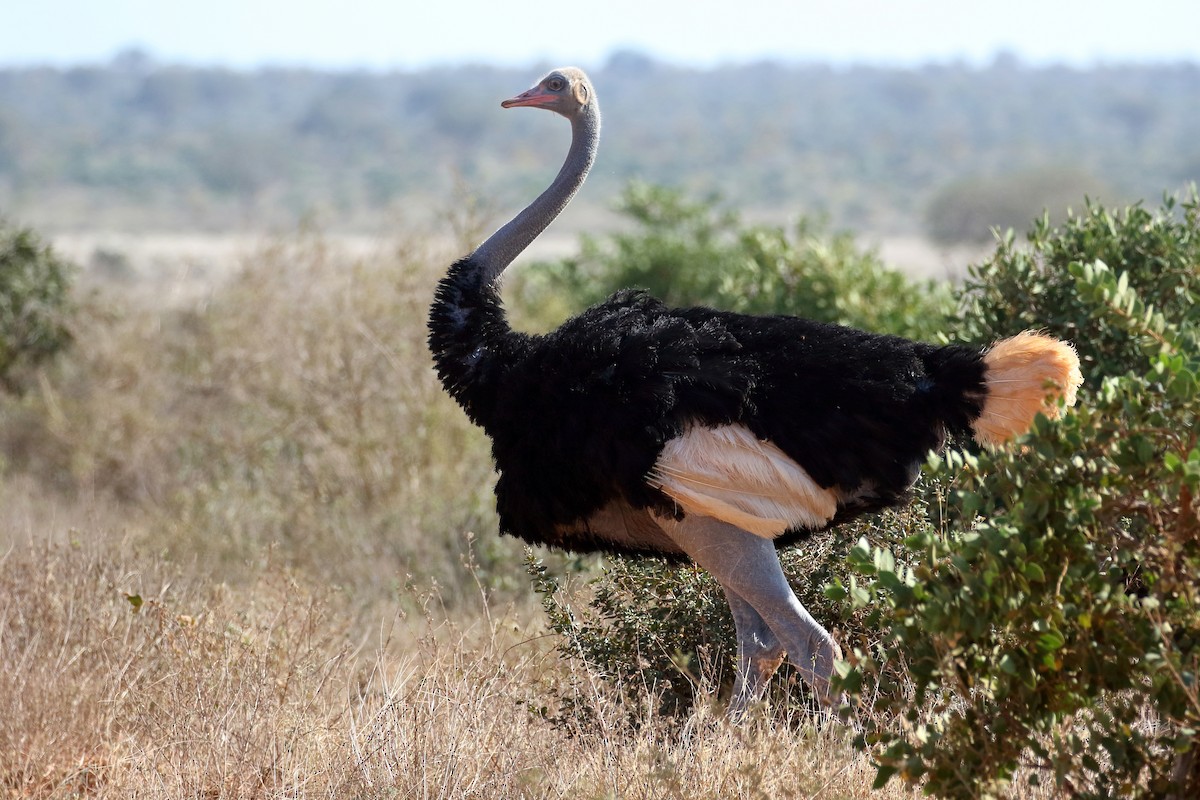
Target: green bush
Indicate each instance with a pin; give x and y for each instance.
(690, 252)
(666, 631)
(1032, 618)
(1025, 286)
(1048, 617)
(34, 304)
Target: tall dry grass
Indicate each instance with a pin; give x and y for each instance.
(122, 677)
(292, 407)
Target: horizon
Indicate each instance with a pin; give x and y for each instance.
(141, 57)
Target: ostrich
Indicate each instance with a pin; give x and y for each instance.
(694, 433)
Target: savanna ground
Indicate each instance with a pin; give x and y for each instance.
(248, 551)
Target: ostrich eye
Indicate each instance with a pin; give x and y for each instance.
(556, 84)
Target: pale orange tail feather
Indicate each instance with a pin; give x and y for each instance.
(1026, 375)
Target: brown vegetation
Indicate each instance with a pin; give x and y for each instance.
(123, 678)
(236, 563)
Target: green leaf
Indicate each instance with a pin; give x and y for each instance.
(836, 591)
(1182, 385)
(1051, 640)
(859, 595)
(884, 560)
(883, 774)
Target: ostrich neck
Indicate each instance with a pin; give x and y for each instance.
(494, 255)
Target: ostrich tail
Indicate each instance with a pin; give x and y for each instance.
(1026, 375)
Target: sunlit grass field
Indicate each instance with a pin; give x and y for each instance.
(271, 689)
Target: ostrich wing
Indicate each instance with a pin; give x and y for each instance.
(729, 474)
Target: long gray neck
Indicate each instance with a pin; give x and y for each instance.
(494, 255)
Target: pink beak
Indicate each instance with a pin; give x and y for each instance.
(537, 96)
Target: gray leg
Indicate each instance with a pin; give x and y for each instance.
(759, 654)
(747, 566)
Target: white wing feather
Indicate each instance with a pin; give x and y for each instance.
(730, 474)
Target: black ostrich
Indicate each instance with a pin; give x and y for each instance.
(695, 433)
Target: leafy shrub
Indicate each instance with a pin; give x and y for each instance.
(1031, 286)
(688, 252)
(1040, 622)
(666, 631)
(34, 303)
(1049, 618)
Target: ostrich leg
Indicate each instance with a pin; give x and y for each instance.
(748, 568)
(759, 654)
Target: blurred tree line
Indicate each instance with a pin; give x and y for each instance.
(951, 147)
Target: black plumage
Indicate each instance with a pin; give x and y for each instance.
(578, 417)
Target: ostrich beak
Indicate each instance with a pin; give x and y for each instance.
(537, 96)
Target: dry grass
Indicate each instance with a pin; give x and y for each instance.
(212, 521)
(210, 691)
(293, 407)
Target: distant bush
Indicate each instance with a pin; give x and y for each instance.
(968, 210)
(34, 303)
(163, 145)
(689, 252)
(1049, 617)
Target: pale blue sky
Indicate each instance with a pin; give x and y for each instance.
(410, 33)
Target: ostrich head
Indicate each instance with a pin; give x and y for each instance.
(565, 91)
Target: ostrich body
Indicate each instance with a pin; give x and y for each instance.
(694, 433)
